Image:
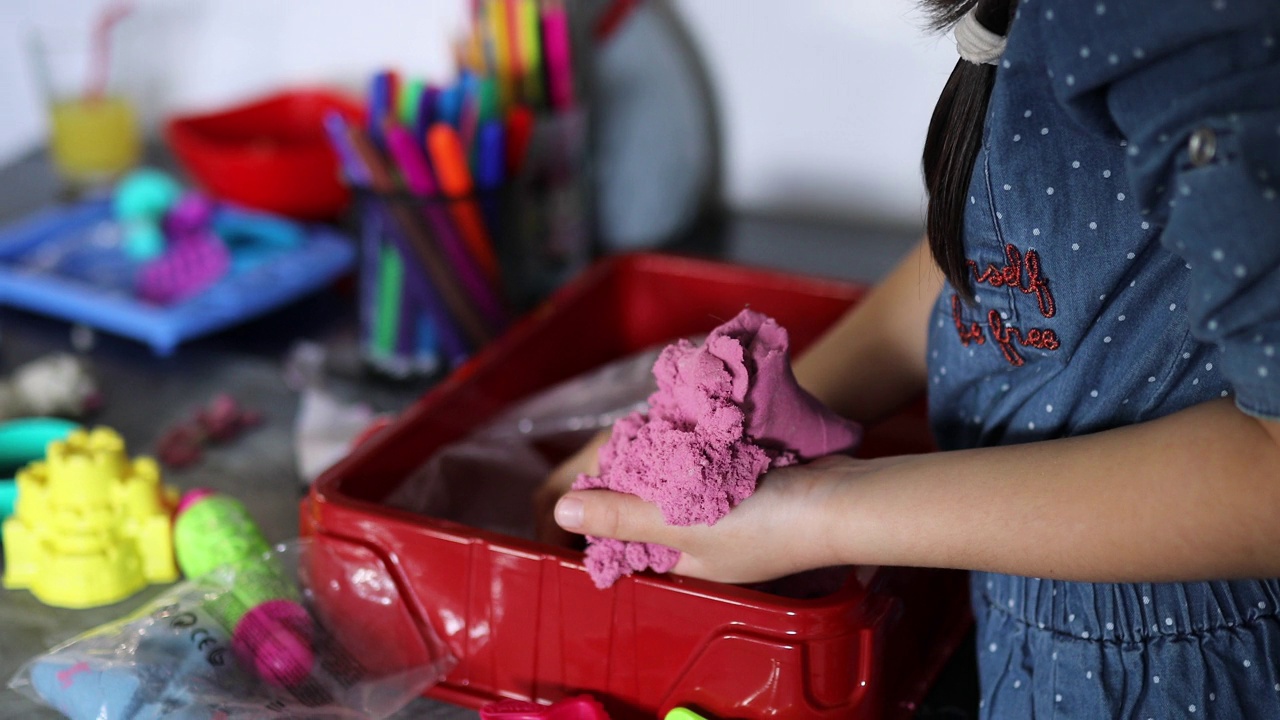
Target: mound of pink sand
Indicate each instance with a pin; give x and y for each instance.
(725, 413)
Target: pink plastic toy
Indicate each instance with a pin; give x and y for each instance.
(193, 262)
(196, 256)
(580, 707)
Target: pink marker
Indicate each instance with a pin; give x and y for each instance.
(555, 32)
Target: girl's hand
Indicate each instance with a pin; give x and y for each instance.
(585, 460)
(784, 527)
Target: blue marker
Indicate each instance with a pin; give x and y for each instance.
(425, 117)
(468, 84)
(449, 105)
(428, 356)
(491, 164)
(491, 158)
(382, 103)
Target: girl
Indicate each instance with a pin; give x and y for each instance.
(1099, 352)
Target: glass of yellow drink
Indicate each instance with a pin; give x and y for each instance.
(93, 140)
(94, 134)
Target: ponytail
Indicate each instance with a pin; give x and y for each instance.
(955, 137)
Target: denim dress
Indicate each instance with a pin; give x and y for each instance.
(1123, 234)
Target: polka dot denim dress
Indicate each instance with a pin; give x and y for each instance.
(1123, 235)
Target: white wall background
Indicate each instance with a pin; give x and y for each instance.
(824, 103)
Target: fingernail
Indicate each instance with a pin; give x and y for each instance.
(569, 513)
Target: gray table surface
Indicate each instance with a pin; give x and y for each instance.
(145, 394)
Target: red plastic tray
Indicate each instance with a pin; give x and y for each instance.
(525, 619)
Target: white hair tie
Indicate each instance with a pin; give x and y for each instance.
(977, 44)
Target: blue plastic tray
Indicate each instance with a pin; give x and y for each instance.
(66, 262)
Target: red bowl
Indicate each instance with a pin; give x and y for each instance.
(271, 154)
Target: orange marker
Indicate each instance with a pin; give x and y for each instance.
(515, 53)
(449, 160)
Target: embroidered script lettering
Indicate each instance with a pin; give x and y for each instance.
(972, 332)
(1007, 338)
(1024, 273)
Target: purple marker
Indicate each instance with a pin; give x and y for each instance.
(417, 176)
(423, 294)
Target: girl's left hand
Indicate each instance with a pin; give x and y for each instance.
(781, 529)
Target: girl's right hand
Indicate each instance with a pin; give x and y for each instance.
(793, 522)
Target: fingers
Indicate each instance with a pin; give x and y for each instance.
(545, 528)
(613, 515)
(585, 460)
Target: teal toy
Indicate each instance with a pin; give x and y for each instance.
(8, 497)
(143, 240)
(141, 200)
(23, 441)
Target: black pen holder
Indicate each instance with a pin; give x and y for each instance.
(440, 276)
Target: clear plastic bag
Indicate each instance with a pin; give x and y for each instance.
(486, 480)
(176, 658)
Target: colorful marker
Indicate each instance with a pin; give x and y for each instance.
(418, 179)
(449, 160)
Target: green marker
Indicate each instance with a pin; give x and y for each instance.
(407, 103)
(390, 287)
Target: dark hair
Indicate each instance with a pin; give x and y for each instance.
(955, 136)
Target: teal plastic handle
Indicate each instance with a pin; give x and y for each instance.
(25, 439)
(8, 498)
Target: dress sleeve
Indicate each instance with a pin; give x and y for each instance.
(1191, 88)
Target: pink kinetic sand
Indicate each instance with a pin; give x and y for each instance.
(725, 412)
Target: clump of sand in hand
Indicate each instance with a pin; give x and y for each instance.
(725, 413)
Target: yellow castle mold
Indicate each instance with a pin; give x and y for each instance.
(91, 527)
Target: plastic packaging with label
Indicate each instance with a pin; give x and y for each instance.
(174, 657)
